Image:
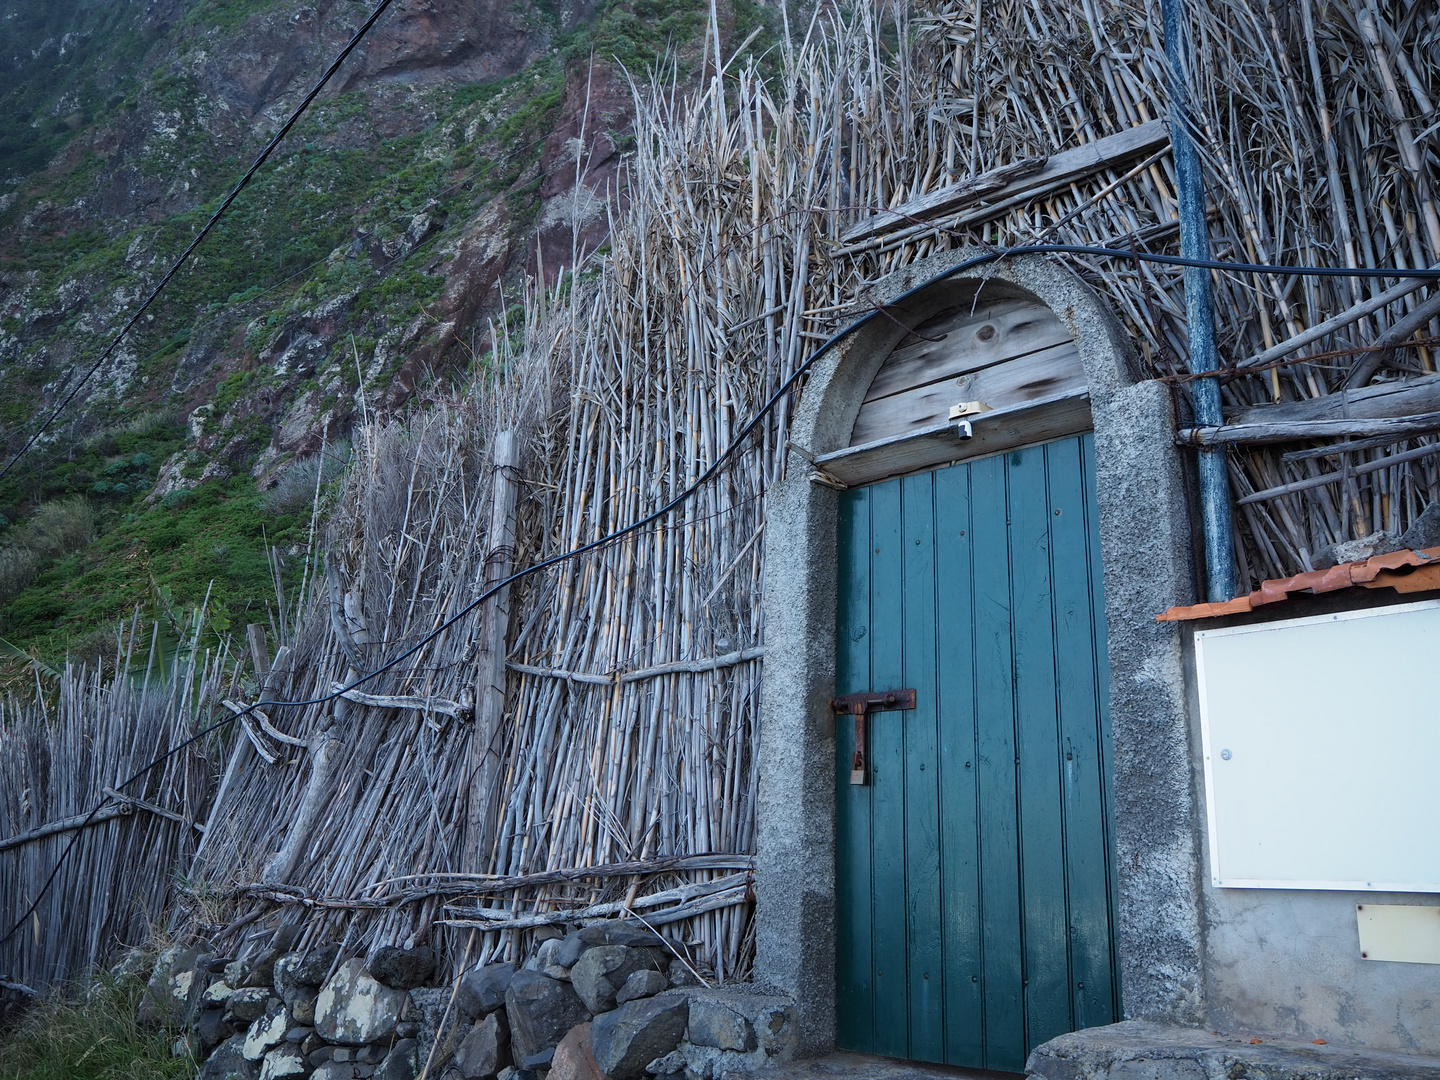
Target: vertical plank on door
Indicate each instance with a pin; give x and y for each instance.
(955, 705)
(1085, 719)
(1001, 966)
(1042, 842)
(886, 781)
(1080, 663)
(924, 926)
(852, 804)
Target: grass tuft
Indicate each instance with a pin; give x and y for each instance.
(90, 1035)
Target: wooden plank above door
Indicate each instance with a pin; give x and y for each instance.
(971, 336)
(1004, 351)
(1021, 424)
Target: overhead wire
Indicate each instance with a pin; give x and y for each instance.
(240, 186)
(736, 444)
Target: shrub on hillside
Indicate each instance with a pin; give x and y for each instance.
(58, 528)
(294, 492)
(90, 1035)
(18, 567)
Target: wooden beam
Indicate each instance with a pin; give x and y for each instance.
(1400, 331)
(1337, 322)
(1407, 397)
(1278, 431)
(125, 805)
(1336, 477)
(484, 765)
(104, 814)
(940, 444)
(1028, 177)
(401, 701)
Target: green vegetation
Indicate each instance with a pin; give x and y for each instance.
(210, 539)
(90, 1036)
(227, 14)
(72, 65)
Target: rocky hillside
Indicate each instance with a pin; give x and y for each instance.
(466, 147)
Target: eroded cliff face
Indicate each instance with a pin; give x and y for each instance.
(466, 146)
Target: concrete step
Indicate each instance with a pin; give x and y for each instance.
(846, 1066)
(1140, 1050)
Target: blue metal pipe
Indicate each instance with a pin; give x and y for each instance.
(1215, 509)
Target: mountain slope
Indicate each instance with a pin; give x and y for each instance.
(463, 147)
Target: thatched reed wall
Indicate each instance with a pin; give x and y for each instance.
(630, 711)
(83, 733)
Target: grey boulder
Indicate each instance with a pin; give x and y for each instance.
(402, 969)
(599, 974)
(638, 1032)
(228, 1063)
(353, 1009)
(302, 1006)
(716, 1025)
(174, 989)
(211, 1030)
(641, 984)
(265, 1031)
(486, 1049)
(281, 1062)
(247, 1003)
(541, 1010)
(482, 991)
(1424, 531)
(669, 1065)
(401, 1063)
(546, 960)
(680, 975)
(627, 933)
(575, 944)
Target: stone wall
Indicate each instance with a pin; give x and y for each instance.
(610, 1001)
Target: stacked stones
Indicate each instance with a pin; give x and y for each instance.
(607, 1002)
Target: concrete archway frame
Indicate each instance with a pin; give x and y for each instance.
(1145, 545)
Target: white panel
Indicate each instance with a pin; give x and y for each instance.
(1405, 933)
(1321, 739)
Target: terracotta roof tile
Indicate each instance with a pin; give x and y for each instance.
(1403, 571)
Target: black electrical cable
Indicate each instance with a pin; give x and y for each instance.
(214, 218)
(991, 256)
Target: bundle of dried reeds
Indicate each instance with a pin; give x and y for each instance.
(1316, 125)
(61, 753)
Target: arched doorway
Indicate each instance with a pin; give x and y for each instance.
(1119, 491)
(973, 845)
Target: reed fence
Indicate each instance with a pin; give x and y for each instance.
(61, 752)
(586, 745)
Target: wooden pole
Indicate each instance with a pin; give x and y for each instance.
(485, 744)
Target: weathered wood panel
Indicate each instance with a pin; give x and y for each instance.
(1045, 374)
(1025, 178)
(972, 336)
(1003, 351)
(1029, 422)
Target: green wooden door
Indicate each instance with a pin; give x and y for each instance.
(974, 875)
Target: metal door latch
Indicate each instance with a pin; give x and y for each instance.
(858, 706)
(959, 412)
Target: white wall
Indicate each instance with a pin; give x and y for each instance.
(1287, 961)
